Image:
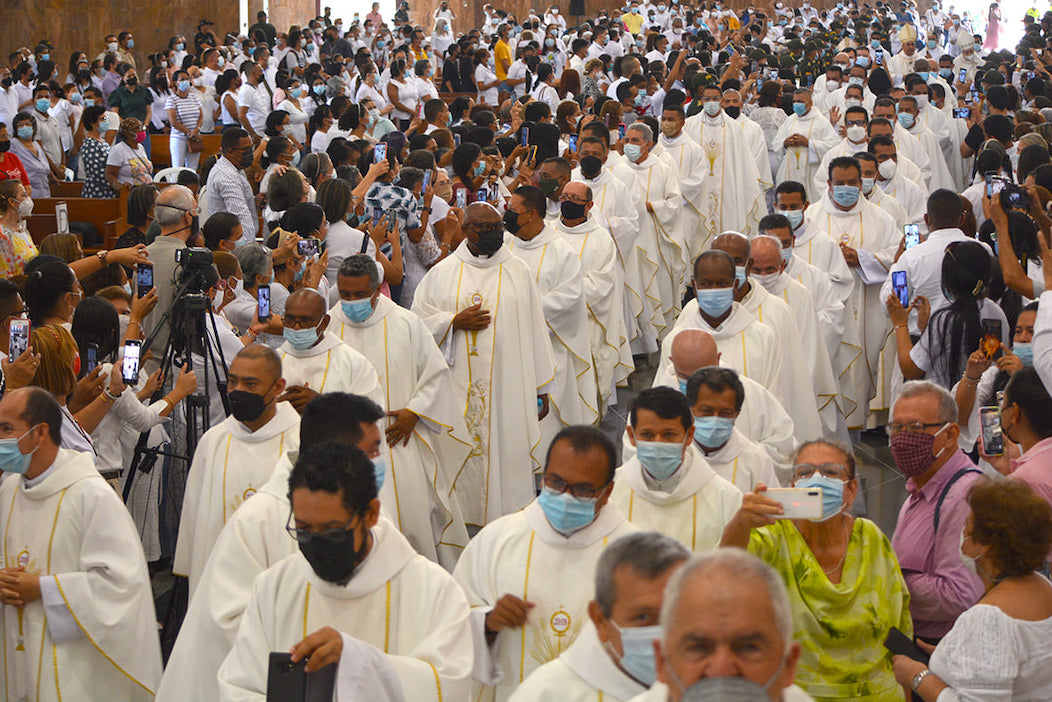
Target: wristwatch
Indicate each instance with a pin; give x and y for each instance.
(919, 678)
(102, 256)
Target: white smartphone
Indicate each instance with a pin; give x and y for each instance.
(798, 503)
(130, 365)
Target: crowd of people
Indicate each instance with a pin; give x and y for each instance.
(356, 378)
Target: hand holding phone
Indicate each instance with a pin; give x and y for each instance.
(797, 503)
(130, 364)
(263, 303)
(18, 339)
(993, 437)
(900, 287)
(379, 152)
(912, 235)
(901, 645)
(143, 279)
(990, 343)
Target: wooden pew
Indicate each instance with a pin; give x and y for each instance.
(161, 155)
(108, 215)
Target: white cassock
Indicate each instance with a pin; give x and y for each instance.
(758, 143)
(331, 366)
(892, 206)
(418, 491)
(92, 635)
(814, 246)
(582, 673)
(930, 142)
(732, 198)
(692, 169)
(523, 555)
(231, 463)
(846, 147)
(800, 163)
(900, 65)
(617, 210)
(403, 619)
(573, 396)
(906, 193)
(501, 370)
(960, 167)
(662, 257)
(828, 305)
(742, 463)
(604, 281)
(909, 146)
(871, 231)
(809, 383)
(692, 506)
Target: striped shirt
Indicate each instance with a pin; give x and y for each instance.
(187, 109)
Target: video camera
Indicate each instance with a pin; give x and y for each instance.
(195, 264)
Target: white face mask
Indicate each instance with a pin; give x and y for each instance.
(856, 133)
(25, 208)
(887, 169)
(768, 280)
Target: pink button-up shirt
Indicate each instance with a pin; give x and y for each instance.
(941, 588)
(1035, 468)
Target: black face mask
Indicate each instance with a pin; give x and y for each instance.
(732, 112)
(131, 81)
(548, 186)
(572, 210)
(246, 406)
(511, 221)
(491, 241)
(4, 146)
(332, 557)
(590, 166)
(6, 82)
(246, 158)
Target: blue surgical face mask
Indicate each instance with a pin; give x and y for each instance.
(946, 73)
(855, 80)
(845, 195)
(832, 494)
(183, 86)
(89, 102)
(875, 43)
(180, 46)
(683, 386)
(25, 133)
(659, 458)
(713, 432)
(565, 512)
(379, 470)
(12, 460)
(924, 75)
(131, 43)
(716, 301)
(799, 108)
(357, 310)
(1025, 352)
(301, 339)
(633, 152)
(43, 104)
(638, 646)
(795, 217)
(906, 120)
(787, 254)
(739, 273)
(480, 169)
(318, 89)
(867, 185)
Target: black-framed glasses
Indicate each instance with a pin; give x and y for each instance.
(582, 491)
(826, 470)
(912, 427)
(304, 536)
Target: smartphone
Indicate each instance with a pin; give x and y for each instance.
(968, 99)
(427, 181)
(730, 49)
(377, 214)
(307, 247)
(994, 184)
(990, 342)
(879, 58)
(290, 682)
(263, 302)
(900, 287)
(482, 195)
(93, 358)
(912, 234)
(379, 152)
(532, 156)
(898, 643)
(974, 95)
(524, 136)
(143, 280)
(456, 140)
(18, 341)
(573, 143)
(797, 503)
(621, 129)
(962, 75)
(130, 364)
(990, 422)
(961, 112)
(420, 110)
(1017, 199)
(462, 198)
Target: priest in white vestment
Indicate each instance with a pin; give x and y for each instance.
(931, 142)
(613, 658)
(235, 458)
(604, 278)
(885, 121)
(894, 184)
(573, 396)
(901, 64)
(812, 244)
(659, 244)
(667, 486)
(483, 310)
(802, 141)
(254, 539)
(731, 104)
(356, 595)
(868, 163)
(617, 210)
(528, 575)
(868, 241)
(427, 439)
(692, 168)
(732, 196)
(78, 614)
(856, 139)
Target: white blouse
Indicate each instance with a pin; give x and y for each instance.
(989, 655)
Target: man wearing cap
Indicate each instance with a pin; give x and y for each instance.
(205, 37)
(901, 64)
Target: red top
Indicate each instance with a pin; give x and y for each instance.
(11, 168)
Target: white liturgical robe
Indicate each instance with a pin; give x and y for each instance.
(556, 270)
(828, 305)
(582, 673)
(742, 462)
(92, 635)
(692, 506)
(231, 463)
(330, 366)
(418, 491)
(692, 169)
(800, 163)
(501, 370)
(523, 555)
(409, 614)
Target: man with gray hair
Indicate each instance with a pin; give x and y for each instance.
(176, 214)
(613, 657)
(660, 245)
(726, 633)
(923, 435)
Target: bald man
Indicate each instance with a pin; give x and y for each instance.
(485, 313)
(315, 361)
(236, 457)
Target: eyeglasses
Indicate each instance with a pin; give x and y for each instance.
(912, 427)
(827, 470)
(582, 491)
(305, 536)
(857, 123)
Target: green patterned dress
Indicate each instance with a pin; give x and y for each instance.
(841, 627)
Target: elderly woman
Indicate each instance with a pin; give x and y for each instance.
(127, 164)
(1001, 648)
(844, 581)
(39, 168)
